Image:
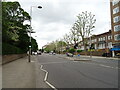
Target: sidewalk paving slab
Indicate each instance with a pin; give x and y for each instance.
(18, 74)
(22, 74)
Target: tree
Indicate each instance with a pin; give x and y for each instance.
(50, 47)
(84, 26)
(68, 39)
(12, 22)
(71, 50)
(34, 45)
(75, 39)
(14, 32)
(61, 45)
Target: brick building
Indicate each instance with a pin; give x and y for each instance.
(115, 25)
(101, 42)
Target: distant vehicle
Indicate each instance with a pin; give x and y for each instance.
(69, 54)
(39, 52)
(45, 51)
(50, 53)
(54, 53)
(34, 53)
(117, 55)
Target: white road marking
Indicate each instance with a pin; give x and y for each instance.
(32, 61)
(105, 65)
(45, 79)
(55, 62)
(102, 65)
(109, 66)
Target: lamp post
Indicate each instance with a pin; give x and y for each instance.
(29, 57)
(90, 45)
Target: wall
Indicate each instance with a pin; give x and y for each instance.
(94, 53)
(9, 58)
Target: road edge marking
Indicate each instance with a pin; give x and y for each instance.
(45, 78)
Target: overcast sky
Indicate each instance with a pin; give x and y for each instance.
(57, 16)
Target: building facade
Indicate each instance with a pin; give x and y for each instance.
(115, 25)
(100, 42)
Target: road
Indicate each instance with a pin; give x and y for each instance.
(64, 73)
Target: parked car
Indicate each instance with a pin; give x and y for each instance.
(34, 53)
(117, 55)
(106, 55)
(39, 53)
(54, 53)
(50, 53)
(69, 54)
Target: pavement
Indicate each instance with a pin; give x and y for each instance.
(83, 57)
(22, 74)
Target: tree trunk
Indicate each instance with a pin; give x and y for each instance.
(84, 47)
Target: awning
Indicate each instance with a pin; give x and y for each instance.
(115, 49)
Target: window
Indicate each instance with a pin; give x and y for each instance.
(117, 28)
(101, 46)
(117, 37)
(95, 40)
(95, 46)
(99, 39)
(115, 2)
(103, 38)
(116, 19)
(109, 37)
(110, 45)
(116, 10)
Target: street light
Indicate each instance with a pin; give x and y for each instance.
(90, 45)
(29, 58)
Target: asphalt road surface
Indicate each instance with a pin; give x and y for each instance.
(64, 73)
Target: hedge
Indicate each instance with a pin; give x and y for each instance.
(78, 51)
(71, 50)
(10, 49)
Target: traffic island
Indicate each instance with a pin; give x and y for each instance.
(76, 59)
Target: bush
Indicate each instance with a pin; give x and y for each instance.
(10, 49)
(78, 51)
(71, 50)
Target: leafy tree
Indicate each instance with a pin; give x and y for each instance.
(55, 46)
(14, 31)
(12, 22)
(34, 45)
(84, 26)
